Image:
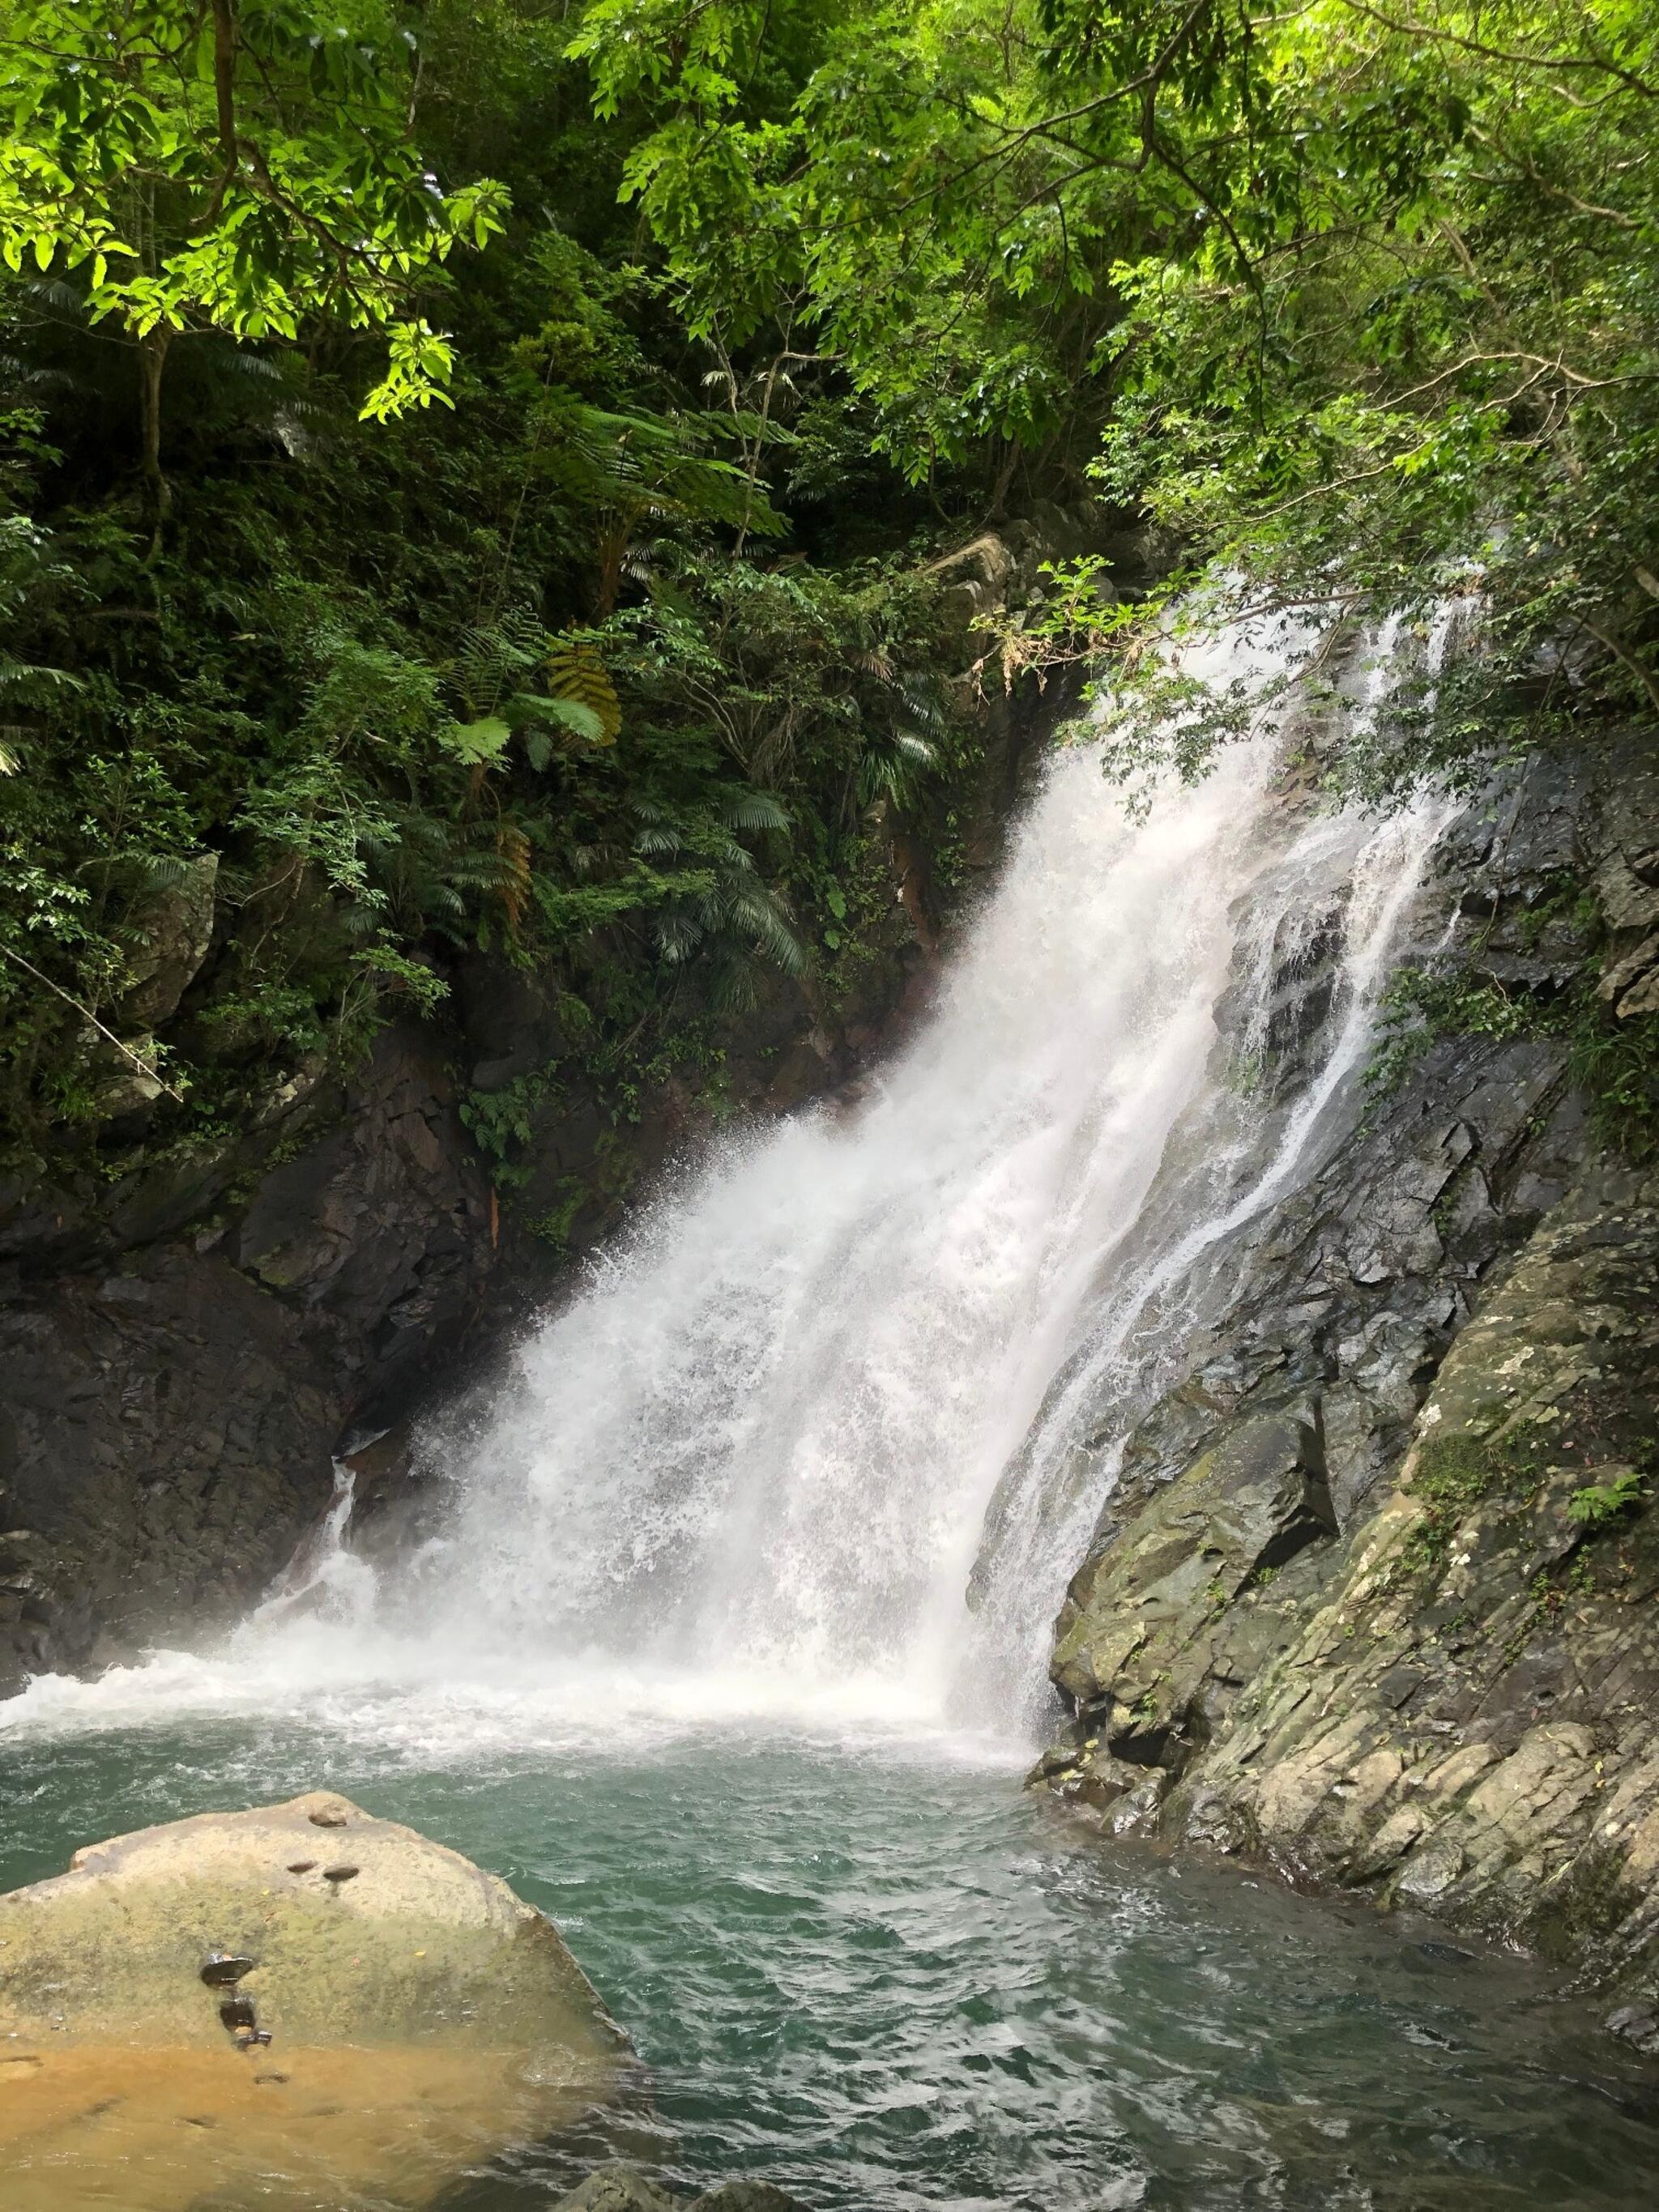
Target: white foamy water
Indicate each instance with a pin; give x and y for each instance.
(745, 1474)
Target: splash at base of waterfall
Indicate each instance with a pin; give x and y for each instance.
(745, 1473)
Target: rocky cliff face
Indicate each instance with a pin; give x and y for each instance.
(180, 1364)
(1375, 1597)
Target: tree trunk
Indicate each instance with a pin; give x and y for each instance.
(1002, 480)
(158, 498)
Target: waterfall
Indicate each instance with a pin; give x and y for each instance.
(1229, 1156)
(747, 1467)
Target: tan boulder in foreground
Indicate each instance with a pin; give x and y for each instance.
(301, 1993)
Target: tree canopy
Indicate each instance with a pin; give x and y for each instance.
(1356, 298)
(741, 315)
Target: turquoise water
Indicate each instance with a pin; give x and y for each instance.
(878, 1973)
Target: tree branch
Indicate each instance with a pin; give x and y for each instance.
(143, 1065)
(1616, 646)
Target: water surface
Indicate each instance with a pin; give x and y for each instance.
(873, 1971)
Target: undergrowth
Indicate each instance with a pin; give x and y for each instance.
(1615, 1064)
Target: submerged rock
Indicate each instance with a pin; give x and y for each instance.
(746, 2196)
(619, 2188)
(195, 2006)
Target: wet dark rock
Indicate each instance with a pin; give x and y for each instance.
(167, 1421)
(1638, 2025)
(1341, 1600)
(163, 1435)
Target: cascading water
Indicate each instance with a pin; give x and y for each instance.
(1230, 1155)
(748, 1467)
(725, 1643)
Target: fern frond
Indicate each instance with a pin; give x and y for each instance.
(575, 673)
(731, 987)
(922, 697)
(24, 676)
(574, 716)
(757, 913)
(477, 743)
(515, 887)
(678, 936)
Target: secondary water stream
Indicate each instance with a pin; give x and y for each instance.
(728, 1646)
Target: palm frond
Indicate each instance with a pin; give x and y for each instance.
(754, 811)
(758, 913)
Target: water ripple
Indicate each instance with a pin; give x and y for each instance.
(887, 1980)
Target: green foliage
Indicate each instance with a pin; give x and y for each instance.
(624, 668)
(1614, 1063)
(556, 1224)
(1454, 1474)
(510, 678)
(1363, 306)
(502, 1122)
(1422, 1004)
(243, 166)
(1414, 351)
(1599, 1503)
(544, 676)
(808, 203)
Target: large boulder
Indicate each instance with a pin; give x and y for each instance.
(301, 1998)
(170, 932)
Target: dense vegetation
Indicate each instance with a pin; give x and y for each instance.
(470, 471)
(386, 558)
